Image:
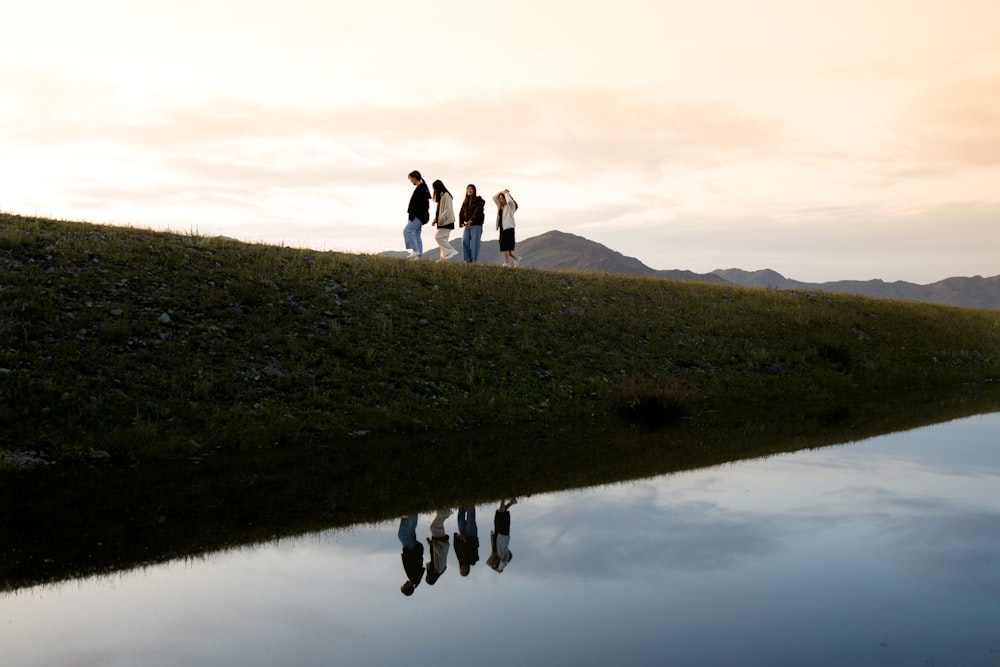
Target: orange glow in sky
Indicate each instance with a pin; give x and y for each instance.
(832, 140)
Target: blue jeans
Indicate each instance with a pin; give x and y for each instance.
(470, 242)
(408, 530)
(467, 516)
(411, 236)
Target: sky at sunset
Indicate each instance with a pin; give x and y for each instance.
(825, 140)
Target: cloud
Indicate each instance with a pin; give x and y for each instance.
(573, 148)
(550, 132)
(692, 183)
(955, 126)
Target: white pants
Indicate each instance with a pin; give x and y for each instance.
(437, 525)
(442, 237)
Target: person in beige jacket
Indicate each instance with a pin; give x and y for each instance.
(444, 220)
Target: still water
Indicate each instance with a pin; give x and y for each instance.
(882, 552)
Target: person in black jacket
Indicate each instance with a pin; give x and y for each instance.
(466, 542)
(417, 215)
(412, 554)
(470, 219)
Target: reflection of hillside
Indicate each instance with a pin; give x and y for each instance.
(59, 523)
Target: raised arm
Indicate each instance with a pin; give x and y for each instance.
(508, 199)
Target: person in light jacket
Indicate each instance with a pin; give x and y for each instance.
(506, 206)
(471, 219)
(417, 215)
(438, 543)
(444, 220)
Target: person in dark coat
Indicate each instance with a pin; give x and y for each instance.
(466, 540)
(412, 555)
(470, 219)
(417, 215)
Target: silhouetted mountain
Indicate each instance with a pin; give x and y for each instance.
(762, 278)
(974, 292)
(560, 250)
(564, 251)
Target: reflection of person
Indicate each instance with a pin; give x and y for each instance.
(466, 540)
(417, 215)
(413, 554)
(505, 224)
(500, 537)
(438, 542)
(471, 218)
(444, 220)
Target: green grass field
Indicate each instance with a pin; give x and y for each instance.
(126, 344)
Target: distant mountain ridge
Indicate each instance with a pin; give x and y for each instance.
(570, 252)
(972, 292)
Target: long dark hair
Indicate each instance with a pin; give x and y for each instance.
(469, 198)
(416, 174)
(439, 190)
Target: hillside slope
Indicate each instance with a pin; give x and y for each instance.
(128, 343)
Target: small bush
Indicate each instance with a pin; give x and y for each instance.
(115, 330)
(838, 356)
(13, 238)
(652, 403)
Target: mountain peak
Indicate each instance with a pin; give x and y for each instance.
(759, 278)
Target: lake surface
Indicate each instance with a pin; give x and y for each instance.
(882, 552)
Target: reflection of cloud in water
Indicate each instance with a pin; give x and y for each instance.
(864, 497)
(806, 557)
(594, 539)
(948, 549)
(850, 502)
(726, 517)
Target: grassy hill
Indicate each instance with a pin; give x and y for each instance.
(127, 344)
